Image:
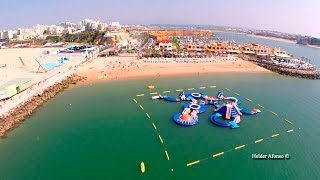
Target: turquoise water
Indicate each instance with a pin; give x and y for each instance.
(103, 134)
(98, 132)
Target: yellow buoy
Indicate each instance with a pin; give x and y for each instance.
(151, 87)
(142, 167)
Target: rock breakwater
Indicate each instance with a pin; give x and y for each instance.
(17, 115)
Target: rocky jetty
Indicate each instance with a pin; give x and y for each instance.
(20, 113)
(307, 74)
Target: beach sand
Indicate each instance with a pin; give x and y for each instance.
(113, 68)
(117, 68)
(273, 38)
(95, 70)
(102, 69)
(15, 69)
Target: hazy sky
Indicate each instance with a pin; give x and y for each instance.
(293, 16)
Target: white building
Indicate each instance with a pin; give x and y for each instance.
(87, 24)
(114, 25)
(8, 34)
(5, 35)
(27, 34)
(39, 29)
(69, 25)
(166, 46)
(59, 30)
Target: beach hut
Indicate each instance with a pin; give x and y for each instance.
(15, 86)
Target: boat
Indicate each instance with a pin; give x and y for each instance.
(142, 167)
(150, 87)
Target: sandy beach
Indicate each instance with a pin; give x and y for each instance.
(119, 68)
(47, 84)
(112, 68)
(273, 38)
(14, 68)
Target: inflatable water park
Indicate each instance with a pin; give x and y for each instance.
(227, 110)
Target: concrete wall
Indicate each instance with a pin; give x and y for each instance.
(25, 85)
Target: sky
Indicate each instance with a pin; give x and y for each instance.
(291, 16)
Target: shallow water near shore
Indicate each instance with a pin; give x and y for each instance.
(98, 132)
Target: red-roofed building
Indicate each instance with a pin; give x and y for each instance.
(166, 41)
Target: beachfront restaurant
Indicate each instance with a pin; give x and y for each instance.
(14, 87)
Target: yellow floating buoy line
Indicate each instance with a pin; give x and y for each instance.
(167, 154)
(274, 113)
(248, 99)
(160, 139)
(156, 130)
(234, 149)
(288, 121)
(193, 163)
(221, 153)
(218, 154)
(155, 127)
(148, 115)
(257, 141)
(212, 86)
(239, 147)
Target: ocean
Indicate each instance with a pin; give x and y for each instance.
(97, 131)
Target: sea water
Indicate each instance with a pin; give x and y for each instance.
(98, 132)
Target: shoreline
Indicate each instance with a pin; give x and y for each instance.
(283, 40)
(273, 38)
(90, 80)
(258, 36)
(173, 69)
(19, 107)
(24, 110)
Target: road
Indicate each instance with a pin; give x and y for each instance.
(151, 42)
(148, 44)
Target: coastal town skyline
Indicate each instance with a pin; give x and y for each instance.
(239, 14)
